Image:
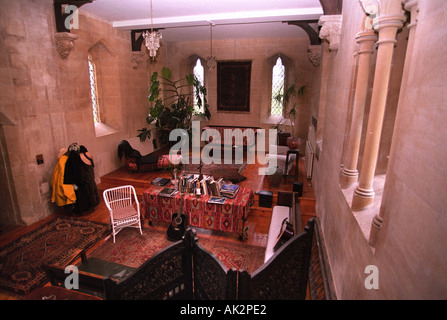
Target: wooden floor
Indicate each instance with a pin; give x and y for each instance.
(258, 220)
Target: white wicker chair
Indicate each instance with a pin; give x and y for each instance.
(124, 208)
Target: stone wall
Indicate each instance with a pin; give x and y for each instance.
(258, 51)
(410, 251)
(45, 101)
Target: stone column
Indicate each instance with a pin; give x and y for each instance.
(330, 31)
(411, 6)
(387, 25)
(366, 40)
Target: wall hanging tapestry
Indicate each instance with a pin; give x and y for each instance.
(132, 249)
(53, 243)
(233, 85)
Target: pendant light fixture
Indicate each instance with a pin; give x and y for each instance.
(152, 39)
(211, 60)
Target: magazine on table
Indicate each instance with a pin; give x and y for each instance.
(168, 192)
(229, 187)
(217, 200)
(160, 181)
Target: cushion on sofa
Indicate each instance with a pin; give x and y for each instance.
(149, 162)
(144, 148)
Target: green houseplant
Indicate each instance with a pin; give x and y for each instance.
(172, 104)
(289, 100)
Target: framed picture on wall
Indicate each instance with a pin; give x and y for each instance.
(233, 85)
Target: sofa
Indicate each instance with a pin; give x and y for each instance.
(140, 156)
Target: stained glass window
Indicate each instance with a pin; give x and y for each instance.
(277, 88)
(198, 72)
(93, 90)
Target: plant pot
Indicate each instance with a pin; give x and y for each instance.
(293, 143)
(275, 179)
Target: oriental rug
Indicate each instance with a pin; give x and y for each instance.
(133, 249)
(53, 243)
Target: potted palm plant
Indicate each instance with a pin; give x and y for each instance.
(172, 104)
(289, 99)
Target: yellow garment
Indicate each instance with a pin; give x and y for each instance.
(62, 194)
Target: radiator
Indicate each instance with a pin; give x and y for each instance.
(309, 159)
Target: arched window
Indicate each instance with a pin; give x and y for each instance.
(104, 89)
(278, 81)
(93, 90)
(199, 73)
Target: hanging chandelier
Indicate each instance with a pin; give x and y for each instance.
(152, 39)
(211, 60)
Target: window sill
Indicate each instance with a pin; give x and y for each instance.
(101, 129)
(365, 217)
(272, 119)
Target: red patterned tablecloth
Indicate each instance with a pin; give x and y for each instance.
(229, 217)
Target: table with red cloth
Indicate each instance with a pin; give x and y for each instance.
(230, 216)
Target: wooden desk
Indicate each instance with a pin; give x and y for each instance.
(58, 293)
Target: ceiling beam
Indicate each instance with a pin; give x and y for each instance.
(332, 7)
(305, 25)
(60, 15)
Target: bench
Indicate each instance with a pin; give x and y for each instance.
(288, 207)
(92, 273)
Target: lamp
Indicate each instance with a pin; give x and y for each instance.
(152, 39)
(211, 60)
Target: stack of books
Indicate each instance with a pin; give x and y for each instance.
(160, 181)
(187, 183)
(229, 190)
(190, 183)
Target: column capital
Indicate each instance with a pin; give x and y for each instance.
(387, 26)
(314, 54)
(413, 7)
(366, 39)
(64, 43)
(331, 30)
(389, 21)
(367, 35)
(137, 58)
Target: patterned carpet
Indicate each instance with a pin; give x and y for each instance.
(53, 243)
(132, 249)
